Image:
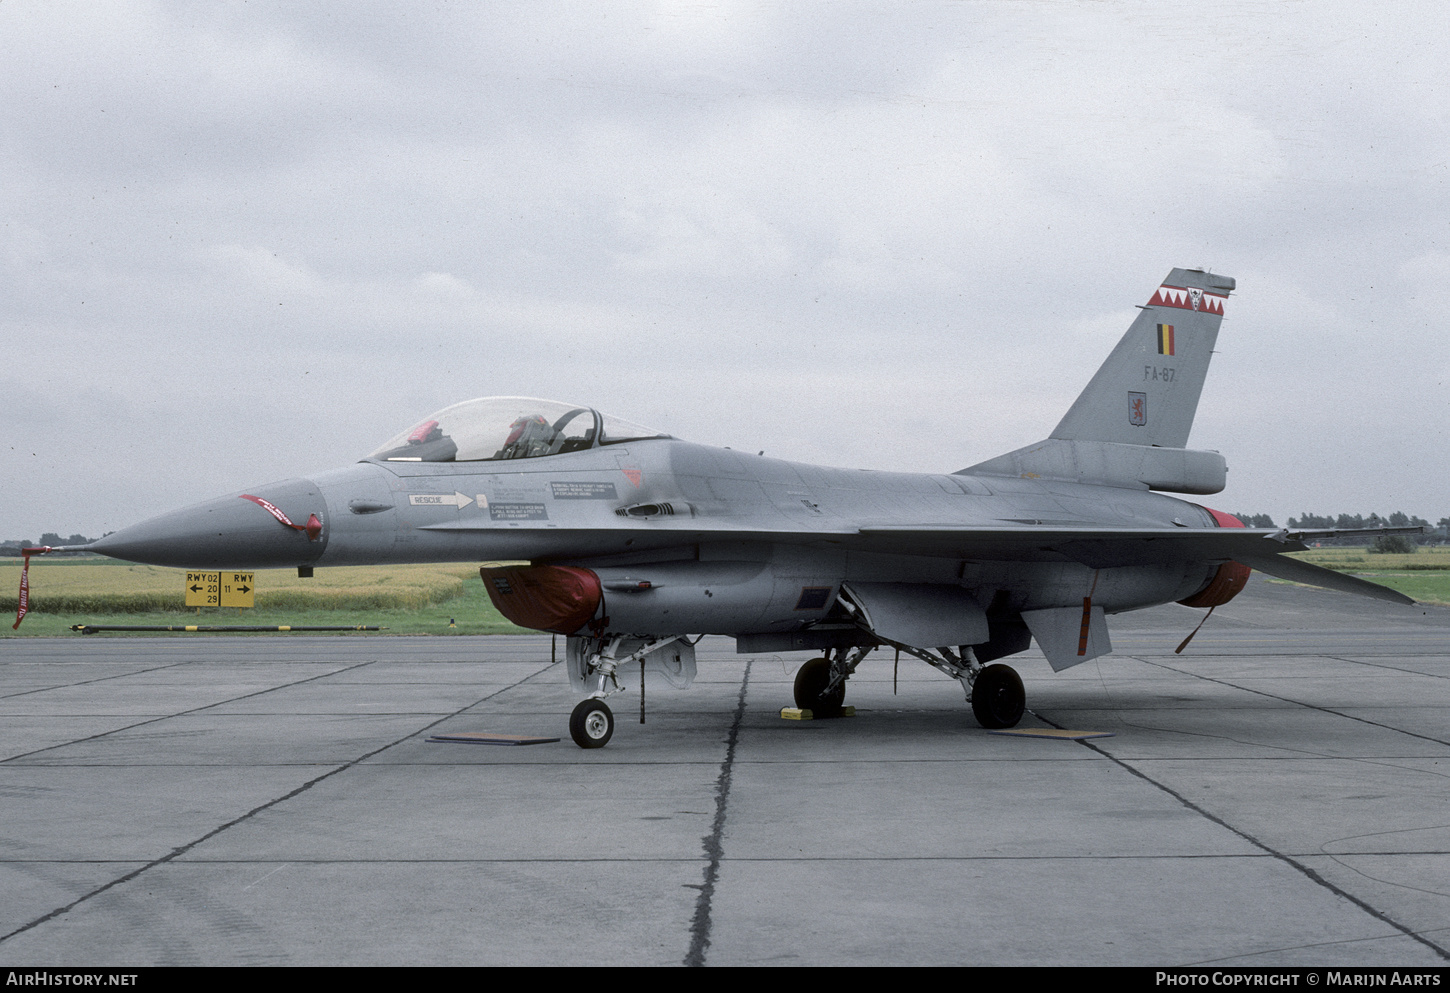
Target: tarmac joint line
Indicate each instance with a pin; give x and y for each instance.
(181, 850)
(1286, 859)
(714, 850)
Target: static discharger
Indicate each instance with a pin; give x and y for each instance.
(489, 738)
(803, 714)
(1055, 733)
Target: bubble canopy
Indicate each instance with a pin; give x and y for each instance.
(494, 429)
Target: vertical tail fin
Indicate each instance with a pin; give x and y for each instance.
(1147, 392)
(1130, 426)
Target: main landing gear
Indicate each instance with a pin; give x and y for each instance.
(998, 699)
(820, 684)
(811, 693)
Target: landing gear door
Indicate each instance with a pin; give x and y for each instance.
(674, 661)
(576, 661)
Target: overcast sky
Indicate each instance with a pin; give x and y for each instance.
(248, 241)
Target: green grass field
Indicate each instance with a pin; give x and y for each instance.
(406, 599)
(1425, 575)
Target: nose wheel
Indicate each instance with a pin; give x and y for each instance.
(591, 725)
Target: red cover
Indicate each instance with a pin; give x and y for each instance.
(557, 598)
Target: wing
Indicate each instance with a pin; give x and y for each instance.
(1096, 547)
(1104, 548)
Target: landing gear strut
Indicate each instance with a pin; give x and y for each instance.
(998, 699)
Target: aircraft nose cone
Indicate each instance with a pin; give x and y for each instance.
(280, 524)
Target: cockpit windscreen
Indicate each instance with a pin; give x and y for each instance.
(500, 428)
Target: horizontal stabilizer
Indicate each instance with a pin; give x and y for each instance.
(1283, 567)
(1328, 534)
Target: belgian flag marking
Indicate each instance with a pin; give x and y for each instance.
(1165, 339)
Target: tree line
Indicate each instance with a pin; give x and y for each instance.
(12, 546)
(1399, 519)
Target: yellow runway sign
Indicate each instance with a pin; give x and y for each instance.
(203, 589)
(238, 589)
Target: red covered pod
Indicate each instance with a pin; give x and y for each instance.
(1230, 578)
(557, 598)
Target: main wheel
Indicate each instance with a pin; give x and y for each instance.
(592, 724)
(810, 683)
(997, 697)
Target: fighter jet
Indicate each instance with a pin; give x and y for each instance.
(633, 544)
